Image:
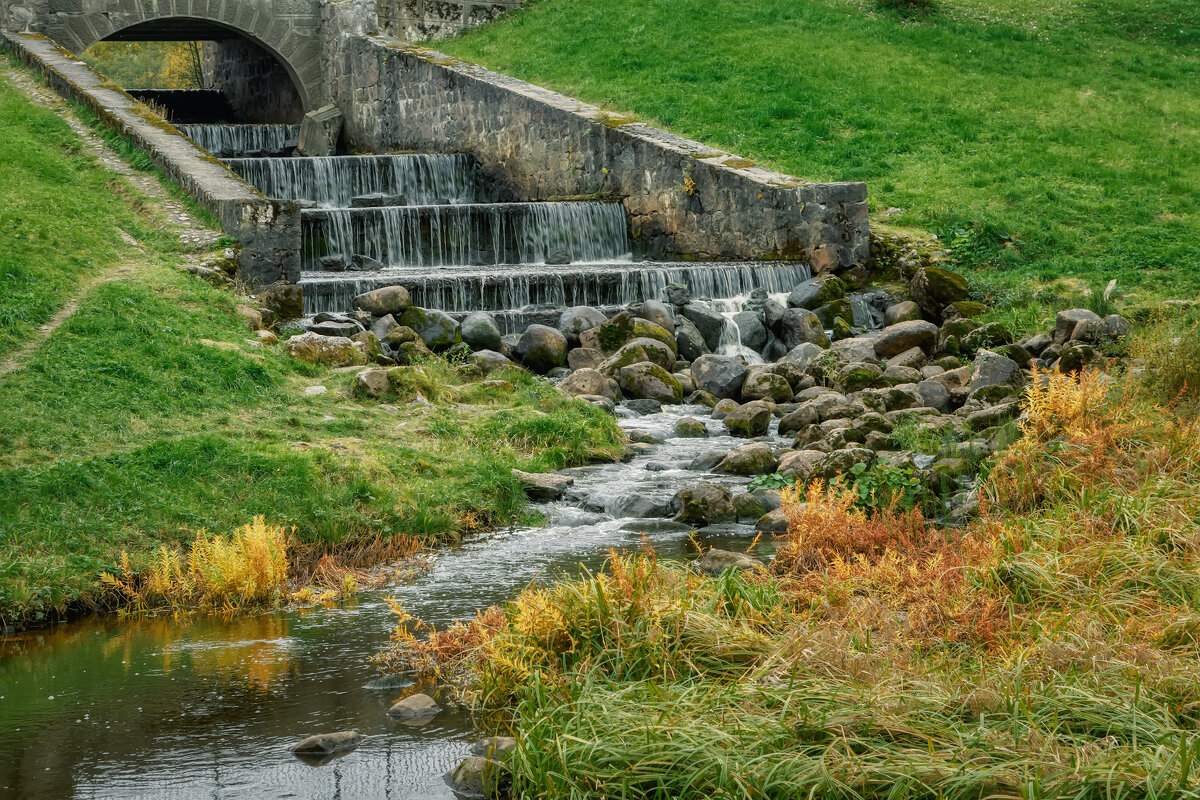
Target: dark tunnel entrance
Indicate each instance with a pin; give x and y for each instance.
(199, 71)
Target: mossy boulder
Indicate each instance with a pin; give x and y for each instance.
(834, 310)
(542, 348)
(651, 382)
(755, 458)
(816, 292)
(965, 309)
(704, 503)
(934, 288)
(991, 335)
(436, 328)
(623, 328)
(749, 419)
(691, 428)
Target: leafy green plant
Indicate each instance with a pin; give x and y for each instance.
(881, 486)
(776, 480)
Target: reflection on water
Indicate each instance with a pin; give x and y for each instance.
(206, 706)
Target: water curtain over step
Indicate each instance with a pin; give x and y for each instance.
(521, 290)
(227, 141)
(388, 180)
(488, 234)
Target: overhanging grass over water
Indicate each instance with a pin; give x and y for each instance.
(1047, 650)
(1041, 138)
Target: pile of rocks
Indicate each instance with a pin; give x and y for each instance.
(839, 390)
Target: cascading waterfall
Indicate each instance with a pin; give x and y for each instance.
(227, 141)
(487, 234)
(334, 181)
(601, 285)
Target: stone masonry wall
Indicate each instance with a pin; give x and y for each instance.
(415, 20)
(683, 198)
(258, 87)
(24, 16)
(269, 231)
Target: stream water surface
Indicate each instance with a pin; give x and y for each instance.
(202, 706)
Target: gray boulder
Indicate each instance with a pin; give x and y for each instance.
(543, 485)
(816, 292)
(691, 428)
(764, 384)
(751, 331)
(704, 503)
(584, 358)
(714, 562)
(841, 461)
(707, 320)
(657, 313)
(720, 376)
(650, 381)
(800, 463)
(1065, 322)
(480, 331)
(324, 744)
(415, 707)
(333, 351)
(691, 343)
(589, 382)
(802, 355)
(993, 369)
(800, 325)
(774, 523)
(437, 329)
(903, 311)
(749, 420)
(934, 288)
(381, 302)
(478, 776)
(895, 339)
(541, 348)
(578, 319)
(755, 458)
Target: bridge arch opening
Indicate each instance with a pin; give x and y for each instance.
(240, 76)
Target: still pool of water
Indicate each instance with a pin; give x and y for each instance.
(202, 706)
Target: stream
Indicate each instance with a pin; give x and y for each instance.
(206, 706)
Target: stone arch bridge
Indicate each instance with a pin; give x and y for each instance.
(265, 54)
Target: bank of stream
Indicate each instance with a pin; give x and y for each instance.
(205, 706)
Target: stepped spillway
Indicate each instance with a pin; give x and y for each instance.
(418, 220)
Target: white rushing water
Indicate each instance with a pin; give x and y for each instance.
(482, 234)
(333, 182)
(224, 141)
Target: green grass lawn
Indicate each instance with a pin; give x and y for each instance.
(124, 430)
(1040, 139)
(45, 182)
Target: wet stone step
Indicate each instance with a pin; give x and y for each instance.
(335, 181)
(544, 288)
(478, 234)
(229, 141)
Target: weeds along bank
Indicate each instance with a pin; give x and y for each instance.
(156, 410)
(1046, 649)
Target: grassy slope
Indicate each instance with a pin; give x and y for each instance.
(1070, 128)
(42, 178)
(123, 430)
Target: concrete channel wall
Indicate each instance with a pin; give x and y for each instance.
(268, 231)
(684, 199)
